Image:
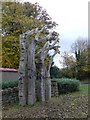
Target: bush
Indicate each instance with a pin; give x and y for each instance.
(8, 84)
(55, 80)
(67, 85)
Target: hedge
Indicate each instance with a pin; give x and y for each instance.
(8, 84)
(64, 85)
(67, 85)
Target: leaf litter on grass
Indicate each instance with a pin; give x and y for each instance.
(64, 106)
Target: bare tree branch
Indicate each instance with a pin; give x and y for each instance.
(53, 45)
(55, 52)
(38, 33)
(43, 50)
(48, 47)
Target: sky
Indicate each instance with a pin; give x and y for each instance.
(72, 19)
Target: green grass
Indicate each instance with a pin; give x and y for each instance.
(82, 91)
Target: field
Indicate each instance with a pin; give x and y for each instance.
(72, 105)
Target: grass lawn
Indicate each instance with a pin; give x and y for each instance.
(83, 91)
(73, 105)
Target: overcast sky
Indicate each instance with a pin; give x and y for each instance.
(72, 19)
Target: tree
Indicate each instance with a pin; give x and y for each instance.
(14, 23)
(54, 72)
(69, 63)
(80, 48)
(78, 66)
(34, 26)
(36, 12)
(18, 18)
(80, 44)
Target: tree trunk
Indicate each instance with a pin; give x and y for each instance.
(27, 69)
(22, 71)
(41, 78)
(31, 72)
(48, 79)
(47, 83)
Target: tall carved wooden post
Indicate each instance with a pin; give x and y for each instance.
(41, 74)
(47, 75)
(44, 81)
(32, 67)
(31, 72)
(22, 70)
(27, 69)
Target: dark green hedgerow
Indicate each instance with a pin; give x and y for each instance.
(64, 85)
(67, 85)
(8, 84)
